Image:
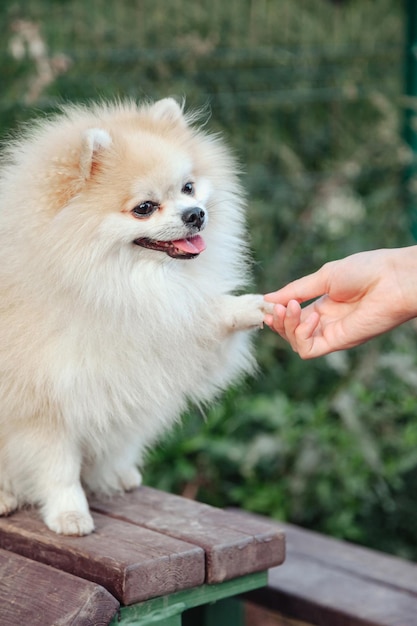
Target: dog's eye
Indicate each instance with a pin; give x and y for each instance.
(188, 189)
(144, 209)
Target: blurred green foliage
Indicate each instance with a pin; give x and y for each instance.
(309, 94)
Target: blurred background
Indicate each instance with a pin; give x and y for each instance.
(311, 96)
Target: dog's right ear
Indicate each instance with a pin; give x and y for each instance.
(95, 140)
(168, 109)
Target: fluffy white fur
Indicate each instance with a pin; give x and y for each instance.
(103, 343)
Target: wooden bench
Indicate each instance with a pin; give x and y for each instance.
(327, 582)
(153, 559)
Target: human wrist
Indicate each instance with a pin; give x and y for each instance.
(405, 266)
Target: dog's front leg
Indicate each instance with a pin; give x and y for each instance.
(244, 312)
(53, 481)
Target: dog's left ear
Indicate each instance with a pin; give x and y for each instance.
(95, 140)
(169, 110)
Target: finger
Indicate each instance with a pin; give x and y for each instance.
(276, 320)
(268, 319)
(309, 342)
(292, 321)
(302, 289)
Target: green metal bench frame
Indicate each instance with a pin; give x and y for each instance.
(217, 605)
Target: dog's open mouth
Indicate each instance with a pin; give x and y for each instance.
(188, 248)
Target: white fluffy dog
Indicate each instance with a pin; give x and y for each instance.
(121, 242)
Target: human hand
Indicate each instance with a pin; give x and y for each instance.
(359, 297)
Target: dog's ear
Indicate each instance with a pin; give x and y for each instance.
(95, 140)
(169, 110)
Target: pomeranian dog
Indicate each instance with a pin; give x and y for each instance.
(122, 241)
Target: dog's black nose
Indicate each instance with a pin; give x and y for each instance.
(194, 217)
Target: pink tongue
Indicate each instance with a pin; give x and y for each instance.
(193, 245)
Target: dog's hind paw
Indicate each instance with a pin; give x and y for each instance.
(130, 479)
(8, 502)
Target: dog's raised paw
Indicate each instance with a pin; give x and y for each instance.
(268, 307)
(245, 312)
(71, 523)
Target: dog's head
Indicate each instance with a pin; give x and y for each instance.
(122, 182)
(147, 168)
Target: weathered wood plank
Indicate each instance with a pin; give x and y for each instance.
(332, 582)
(320, 594)
(363, 562)
(132, 563)
(36, 594)
(235, 545)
